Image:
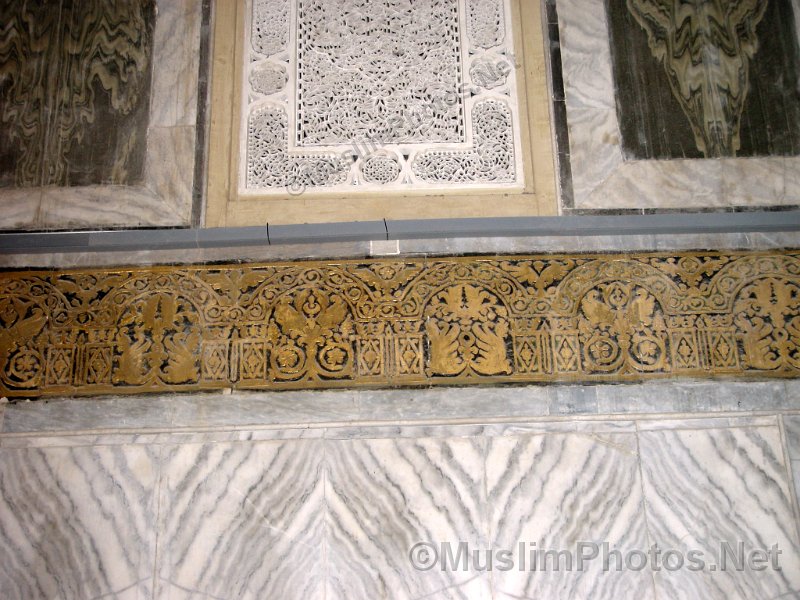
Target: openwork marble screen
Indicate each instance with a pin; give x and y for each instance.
(367, 95)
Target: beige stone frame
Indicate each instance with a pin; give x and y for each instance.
(226, 208)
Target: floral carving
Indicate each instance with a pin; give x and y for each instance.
(21, 322)
(382, 94)
(400, 322)
(311, 337)
(768, 314)
(467, 329)
(158, 342)
(622, 329)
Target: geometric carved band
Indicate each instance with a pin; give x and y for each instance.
(378, 322)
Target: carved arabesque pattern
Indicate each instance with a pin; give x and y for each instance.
(486, 23)
(382, 62)
(400, 322)
(490, 161)
(393, 88)
(270, 26)
(269, 163)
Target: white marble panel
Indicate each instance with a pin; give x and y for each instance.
(385, 496)
(242, 520)
(170, 168)
(19, 208)
(78, 522)
(98, 206)
(713, 486)
(558, 491)
(177, 39)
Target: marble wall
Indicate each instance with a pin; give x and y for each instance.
(107, 119)
(627, 140)
(330, 507)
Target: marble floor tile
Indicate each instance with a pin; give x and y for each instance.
(705, 487)
(384, 497)
(241, 520)
(78, 522)
(560, 490)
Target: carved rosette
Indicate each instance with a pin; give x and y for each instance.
(404, 322)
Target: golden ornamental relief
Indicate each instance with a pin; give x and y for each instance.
(400, 322)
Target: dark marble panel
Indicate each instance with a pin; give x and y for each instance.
(721, 80)
(75, 78)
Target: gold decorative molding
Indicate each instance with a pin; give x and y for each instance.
(378, 322)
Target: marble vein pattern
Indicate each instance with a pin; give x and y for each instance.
(78, 522)
(192, 515)
(386, 495)
(603, 179)
(559, 490)
(161, 194)
(705, 487)
(242, 520)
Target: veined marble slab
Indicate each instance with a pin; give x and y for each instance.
(704, 488)
(242, 521)
(557, 491)
(78, 522)
(604, 180)
(182, 515)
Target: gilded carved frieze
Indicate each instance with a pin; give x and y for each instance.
(400, 322)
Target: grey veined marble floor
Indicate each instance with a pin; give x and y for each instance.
(338, 511)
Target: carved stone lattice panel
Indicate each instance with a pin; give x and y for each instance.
(368, 95)
(400, 322)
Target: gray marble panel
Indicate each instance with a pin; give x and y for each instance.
(78, 522)
(385, 496)
(791, 426)
(242, 521)
(177, 38)
(704, 487)
(557, 491)
(341, 408)
(445, 246)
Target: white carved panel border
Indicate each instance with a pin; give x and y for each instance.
(379, 95)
